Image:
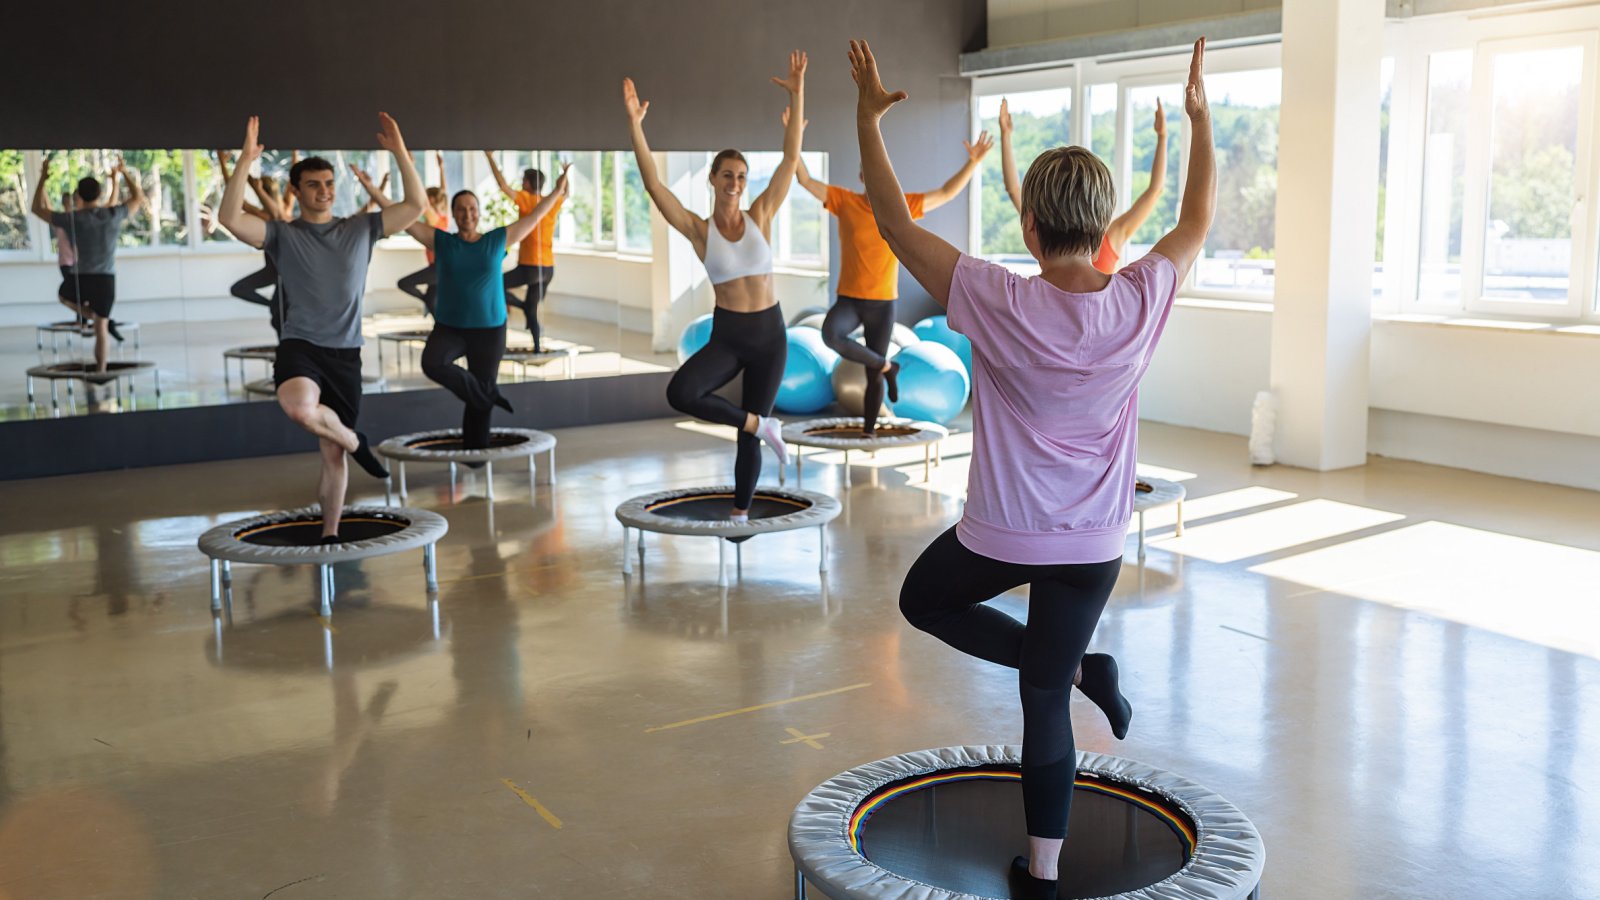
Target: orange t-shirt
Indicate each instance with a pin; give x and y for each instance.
(436, 220)
(868, 269)
(1106, 259)
(538, 247)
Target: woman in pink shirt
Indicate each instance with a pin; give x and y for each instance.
(1056, 365)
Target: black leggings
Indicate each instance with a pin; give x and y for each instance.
(475, 385)
(537, 278)
(754, 343)
(943, 595)
(876, 319)
(249, 289)
(419, 284)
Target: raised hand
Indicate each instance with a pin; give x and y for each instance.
(389, 134)
(977, 150)
(1161, 120)
(1194, 93)
(561, 180)
(360, 175)
(804, 124)
(630, 101)
(252, 149)
(1005, 117)
(871, 98)
(797, 73)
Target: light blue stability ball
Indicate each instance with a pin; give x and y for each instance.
(808, 374)
(695, 335)
(934, 385)
(937, 329)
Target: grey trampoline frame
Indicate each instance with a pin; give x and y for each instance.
(1166, 492)
(634, 514)
(929, 436)
(131, 368)
(537, 442)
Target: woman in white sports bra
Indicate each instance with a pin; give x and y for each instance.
(747, 332)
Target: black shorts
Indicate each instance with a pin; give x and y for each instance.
(336, 370)
(98, 292)
(69, 285)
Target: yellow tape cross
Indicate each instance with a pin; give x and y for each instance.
(528, 798)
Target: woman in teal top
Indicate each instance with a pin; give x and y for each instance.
(469, 311)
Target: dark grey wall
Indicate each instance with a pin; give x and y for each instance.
(488, 74)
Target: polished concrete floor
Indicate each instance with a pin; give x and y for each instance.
(1391, 669)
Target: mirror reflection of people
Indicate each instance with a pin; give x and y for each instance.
(747, 330)
(272, 208)
(1123, 227)
(869, 275)
(469, 315)
(1053, 458)
(421, 283)
(93, 229)
(536, 259)
(322, 274)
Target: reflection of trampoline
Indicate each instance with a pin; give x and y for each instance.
(265, 387)
(295, 642)
(524, 357)
(945, 824)
(844, 434)
(267, 353)
(1150, 493)
(444, 446)
(295, 538)
(703, 511)
(82, 330)
(116, 371)
(409, 338)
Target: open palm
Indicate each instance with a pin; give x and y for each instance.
(871, 97)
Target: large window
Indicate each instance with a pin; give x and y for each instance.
(1041, 120)
(799, 229)
(1142, 143)
(1241, 245)
(1444, 177)
(635, 207)
(14, 202)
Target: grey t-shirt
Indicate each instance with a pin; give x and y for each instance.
(322, 274)
(94, 232)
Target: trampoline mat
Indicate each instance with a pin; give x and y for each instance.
(854, 431)
(962, 834)
(308, 532)
(714, 507)
(259, 350)
(405, 335)
(451, 443)
(1143, 487)
(113, 368)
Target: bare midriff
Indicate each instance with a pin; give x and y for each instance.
(752, 293)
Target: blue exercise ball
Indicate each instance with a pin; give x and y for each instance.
(695, 335)
(937, 329)
(808, 373)
(934, 385)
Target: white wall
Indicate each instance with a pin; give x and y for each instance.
(1211, 362)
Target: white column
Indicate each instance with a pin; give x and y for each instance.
(679, 290)
(1326, 217)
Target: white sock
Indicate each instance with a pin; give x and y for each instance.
(739, 517)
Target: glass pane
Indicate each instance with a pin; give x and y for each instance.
(1444, 169)
(208, 182)
(808, 227)
(635, 205)
(1386, 95)
(576, 226)
(1141, 113)
(608, 211)
(13, 206)
(1103, 121)
(165, 218)
(1527, 251)
(498, 210)
(1244, 122)
(68, 166)
(1040, 120)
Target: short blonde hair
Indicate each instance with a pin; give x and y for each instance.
(1069, 192)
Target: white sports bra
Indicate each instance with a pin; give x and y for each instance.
(727, 260)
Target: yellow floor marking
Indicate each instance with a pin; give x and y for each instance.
(810, 740)
(538, 807)
(758, 707)
(328, 624)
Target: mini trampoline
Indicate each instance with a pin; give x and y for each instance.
(444, 446)
(294, 538)
(86, 371)
(704, 511)
(845, 434)
(524, 357)
(1150, 493)
(945, 824)
(267, 353)
(80, 329)
(409, 337)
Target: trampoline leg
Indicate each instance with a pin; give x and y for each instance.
(533, 474)
(799, 467)
(822, 542)
(799, 885)
(1179, 531)
(722, 562)
(30, 388)
(227, 573)
(401, 469)
(216, 584)
(1141, 537)
(627, 552)
(550, 467)
(452, 482)
(488, 480)
(430, 568)
(847, 468)
(325, 574)
(927, 462)
(388, 491)
(738, 561)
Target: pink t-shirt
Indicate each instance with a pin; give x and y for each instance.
(1055, 407)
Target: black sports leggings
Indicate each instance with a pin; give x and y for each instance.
(475, 385)
(876, 319)
(249, 289)
(419, 284)
(754, 343)
(944, 594)
(537, 278)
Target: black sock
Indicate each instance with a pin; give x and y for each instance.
(367, 460)
(112, 328)
(889, 381)
(1026, 887)
(1099, 683)
(332, 539)
(501, 401)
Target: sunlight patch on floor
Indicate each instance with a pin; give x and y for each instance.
(1272, 530)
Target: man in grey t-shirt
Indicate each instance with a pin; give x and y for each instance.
(322, 275)
(93, 230)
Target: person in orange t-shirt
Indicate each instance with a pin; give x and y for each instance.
(869, 276)
(536, 259)
(1122, 227)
